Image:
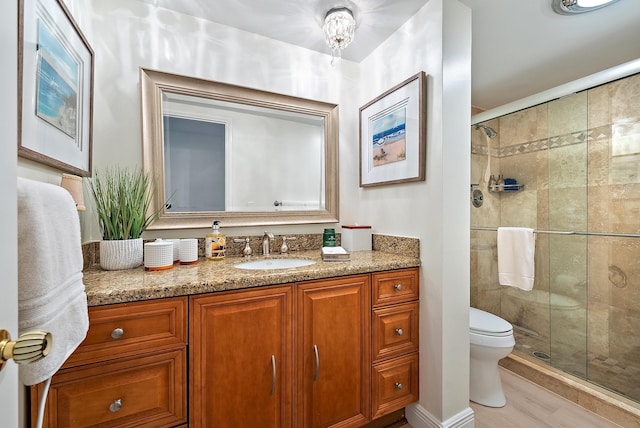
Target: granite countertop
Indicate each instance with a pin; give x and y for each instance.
(107, 287)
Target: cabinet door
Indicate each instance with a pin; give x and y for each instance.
(333, 356)
(241, 354)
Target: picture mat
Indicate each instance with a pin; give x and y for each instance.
(409, 93)
(37, 135)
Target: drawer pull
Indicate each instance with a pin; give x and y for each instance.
(315, 350)
(117, 333)
(399, 331)
(398, 287)
(117, 405)
(273, 374)
(398, 386)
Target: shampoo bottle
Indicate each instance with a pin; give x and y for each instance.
(215, 243)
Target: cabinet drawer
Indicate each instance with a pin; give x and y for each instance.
(126, 329)
(395, 330)
(394, 286)
(145, 391)
(395, 384)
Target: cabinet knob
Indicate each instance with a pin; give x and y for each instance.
(398, 287)
(399, 331)
(117, 333)
(117, 405)
(398, 386)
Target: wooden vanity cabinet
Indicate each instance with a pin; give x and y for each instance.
(336, 352)
(130, 371)
(394, 374)
(241, 358)
(333, 356)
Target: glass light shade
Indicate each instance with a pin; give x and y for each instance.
(339, 28)
(73, 184)
(570, 7)
(592, 3)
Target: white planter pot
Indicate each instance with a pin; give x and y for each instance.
(121, 254)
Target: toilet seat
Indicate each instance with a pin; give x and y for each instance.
(487, 324)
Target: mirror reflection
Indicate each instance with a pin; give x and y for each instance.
(240, 158)
(243, 156)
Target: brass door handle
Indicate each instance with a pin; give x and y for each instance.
(29, 348)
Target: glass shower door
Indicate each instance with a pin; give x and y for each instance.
(567, 211)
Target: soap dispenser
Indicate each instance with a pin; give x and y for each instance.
(215, 243)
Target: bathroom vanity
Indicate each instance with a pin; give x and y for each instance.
(331, 344)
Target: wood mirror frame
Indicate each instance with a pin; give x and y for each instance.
(152, 86)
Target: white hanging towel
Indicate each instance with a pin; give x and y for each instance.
(516, 251)
(51, 294)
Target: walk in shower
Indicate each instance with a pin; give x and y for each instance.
(576, 163)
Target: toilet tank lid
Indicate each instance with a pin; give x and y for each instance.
(482, 321)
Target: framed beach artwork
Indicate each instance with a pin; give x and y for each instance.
(393, 135)
(55, 88)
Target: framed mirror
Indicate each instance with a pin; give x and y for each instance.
(243, 156)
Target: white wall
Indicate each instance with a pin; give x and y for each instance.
(437, 40)
(159, 39)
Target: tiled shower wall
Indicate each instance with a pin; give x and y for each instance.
(579, 160)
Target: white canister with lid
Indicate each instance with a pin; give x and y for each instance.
(356, 238)
(158, 255)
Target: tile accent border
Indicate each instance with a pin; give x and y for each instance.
(594, 134)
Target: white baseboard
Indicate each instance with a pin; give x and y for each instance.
(419, 417)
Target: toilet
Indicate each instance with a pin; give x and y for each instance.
(491, 338)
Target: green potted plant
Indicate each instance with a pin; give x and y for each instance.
(122, 199)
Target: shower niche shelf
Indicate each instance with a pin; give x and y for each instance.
(505, 187)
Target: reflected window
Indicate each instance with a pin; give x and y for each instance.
(194, 153)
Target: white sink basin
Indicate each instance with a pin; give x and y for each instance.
(274, 264)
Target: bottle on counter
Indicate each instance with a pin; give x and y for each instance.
(329, 238)
(215, 243)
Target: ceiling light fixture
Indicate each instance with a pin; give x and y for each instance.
(339, 28)
(570, 7)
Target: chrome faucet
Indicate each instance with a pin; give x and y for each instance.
(266, 243)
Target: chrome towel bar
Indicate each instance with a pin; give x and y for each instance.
(562, 232)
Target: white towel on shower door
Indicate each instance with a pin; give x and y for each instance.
(516, 251)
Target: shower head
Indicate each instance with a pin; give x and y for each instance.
(487, 130)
